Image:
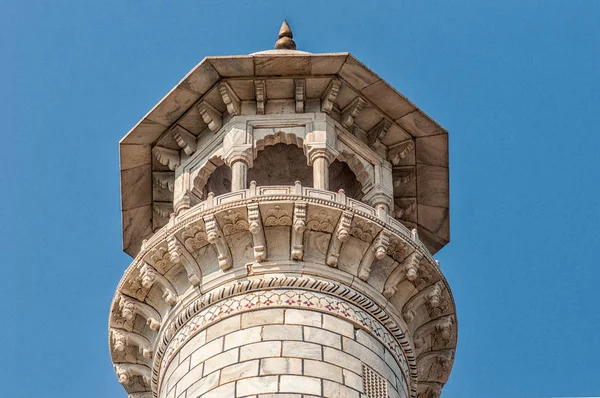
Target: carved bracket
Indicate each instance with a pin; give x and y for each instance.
(149, 276)
(436, 334)
(402, 175)
(186, 140)
(342, 233)
(377, 250)
(399, 151)
(131, 307)
(211, 116)
(122, 338)
(164, 179)
(409, 269)
(300, 94)
(329, 96)
(260, 90)
(167, 157)
(180, 255)
(257, 231)
(298, 228)
(351, 112)
(230, 99)
(163, 209)
(402, 212)
(412, 265)
(215, 237)
(125, 371)
(377, 133)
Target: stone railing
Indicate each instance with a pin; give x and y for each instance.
(294, 192)
(385, 271)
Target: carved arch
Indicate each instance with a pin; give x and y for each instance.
(281, 137)
(201, 175)
(283, 161)
(362, 169)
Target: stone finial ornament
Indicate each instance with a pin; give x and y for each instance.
(285, 41)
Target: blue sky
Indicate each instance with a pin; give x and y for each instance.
(516, 83)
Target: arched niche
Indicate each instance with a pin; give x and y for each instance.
(342, 177)
(280, 164)
(280, 160)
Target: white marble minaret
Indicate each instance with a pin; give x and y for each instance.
(282, 209)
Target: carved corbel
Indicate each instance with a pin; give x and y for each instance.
(125, 371)
(412, 265)
(149, 276)
(131, 307)
(377, 250)
(342, 233)
(399, 213)
(408, 315)
(180, 255)
(408, 269)
(164, 179)
(211, 116)
(377, 133)
(329, 96)
(402, 175)
(434, 297)
(435, 335)
(399, 151)
(123, 338)
(257, 231)
(444, 328)
(215, 237)
(351, 112)
(260, 90)
(300, 94)
(163, 209)
(298, 228)
(167, 157)
(435, 366)
(230, 99)
(186, 140)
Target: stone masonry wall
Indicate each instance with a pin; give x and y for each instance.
(283, 352)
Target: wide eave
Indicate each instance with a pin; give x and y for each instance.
(430, 157)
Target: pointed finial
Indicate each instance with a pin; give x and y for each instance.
(285, 41)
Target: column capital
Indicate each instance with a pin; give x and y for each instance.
(321, 142)
(313, 153)
(238, 146)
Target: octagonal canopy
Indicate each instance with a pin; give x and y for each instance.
(264, 81)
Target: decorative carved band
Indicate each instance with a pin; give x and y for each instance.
(308, 293)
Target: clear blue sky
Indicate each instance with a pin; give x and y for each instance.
(516, 83)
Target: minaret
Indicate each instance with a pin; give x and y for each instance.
(282, 209)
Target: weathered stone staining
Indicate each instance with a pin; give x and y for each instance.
(284, 287)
